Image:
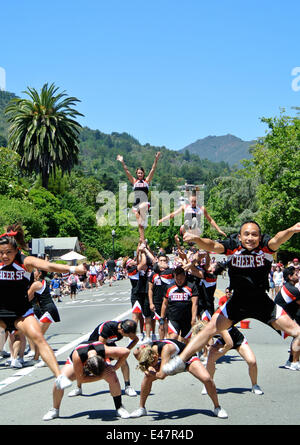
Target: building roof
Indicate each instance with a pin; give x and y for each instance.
(67, 243)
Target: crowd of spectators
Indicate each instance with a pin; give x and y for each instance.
(98, 274)
(276, 279)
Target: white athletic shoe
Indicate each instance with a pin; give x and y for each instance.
(29, 354)
(53, 413)
(220, 412)
(76, 392)
(16, 363)
(293, 366)
(139, 412)
(129, 391)
(62, 382)
(174, 366)
(257, 390)
(123, 413)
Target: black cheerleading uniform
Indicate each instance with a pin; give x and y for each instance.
(108, 330)
(83, 349)
(209, 283)
(134, 276)
(179, 348)
(192, 212)
(202, 297)
(237, 337)
(180, 306)
(288, 298)
(141, 190)
(160, 280)
(142, 292)
(248, 273)
(14, 284)
(43, 305)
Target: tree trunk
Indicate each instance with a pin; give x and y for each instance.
(45, 179)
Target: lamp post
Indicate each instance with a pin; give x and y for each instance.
(113, 234)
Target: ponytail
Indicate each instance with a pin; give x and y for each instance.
(14, 236)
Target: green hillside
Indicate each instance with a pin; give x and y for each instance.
(98, 152)
(5, 97)
(227, 148)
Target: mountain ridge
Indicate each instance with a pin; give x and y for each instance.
(227, 148)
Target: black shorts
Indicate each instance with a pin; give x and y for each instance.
(10, 320)
(158, 305)
(237, 337)
(49, 314)
(182, 327)
(143, 300)
(259, 307)
(73, 288)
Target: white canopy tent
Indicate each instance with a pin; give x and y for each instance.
(71, 256)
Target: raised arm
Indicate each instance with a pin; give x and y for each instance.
(171, 215)
(283, 236)
(204, 243)
(31, 262)
(150, 176)
(212, 222)
(128, 174)
(193, 270)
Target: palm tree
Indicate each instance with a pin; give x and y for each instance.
(44, 132)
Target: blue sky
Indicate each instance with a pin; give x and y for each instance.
(168, 72)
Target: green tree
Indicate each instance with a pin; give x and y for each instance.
(17, 210)
(67, 223)
(276, 160)
(232, 200)
(48, 205)
(44, 132)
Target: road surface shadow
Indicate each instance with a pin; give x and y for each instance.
(107, 415)
(110, 415)
(233, 390)
(179, 414)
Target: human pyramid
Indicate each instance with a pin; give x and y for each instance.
(177, 296)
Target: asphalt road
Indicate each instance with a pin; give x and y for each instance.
(175, 403)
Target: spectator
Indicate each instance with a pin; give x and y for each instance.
(225, 297)
(55, 287)
(73, 282)
(83, 278)
(100, 274)
(271, 282)
(93, 275)
(111, 268)
(278, 278)
(296, 263)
